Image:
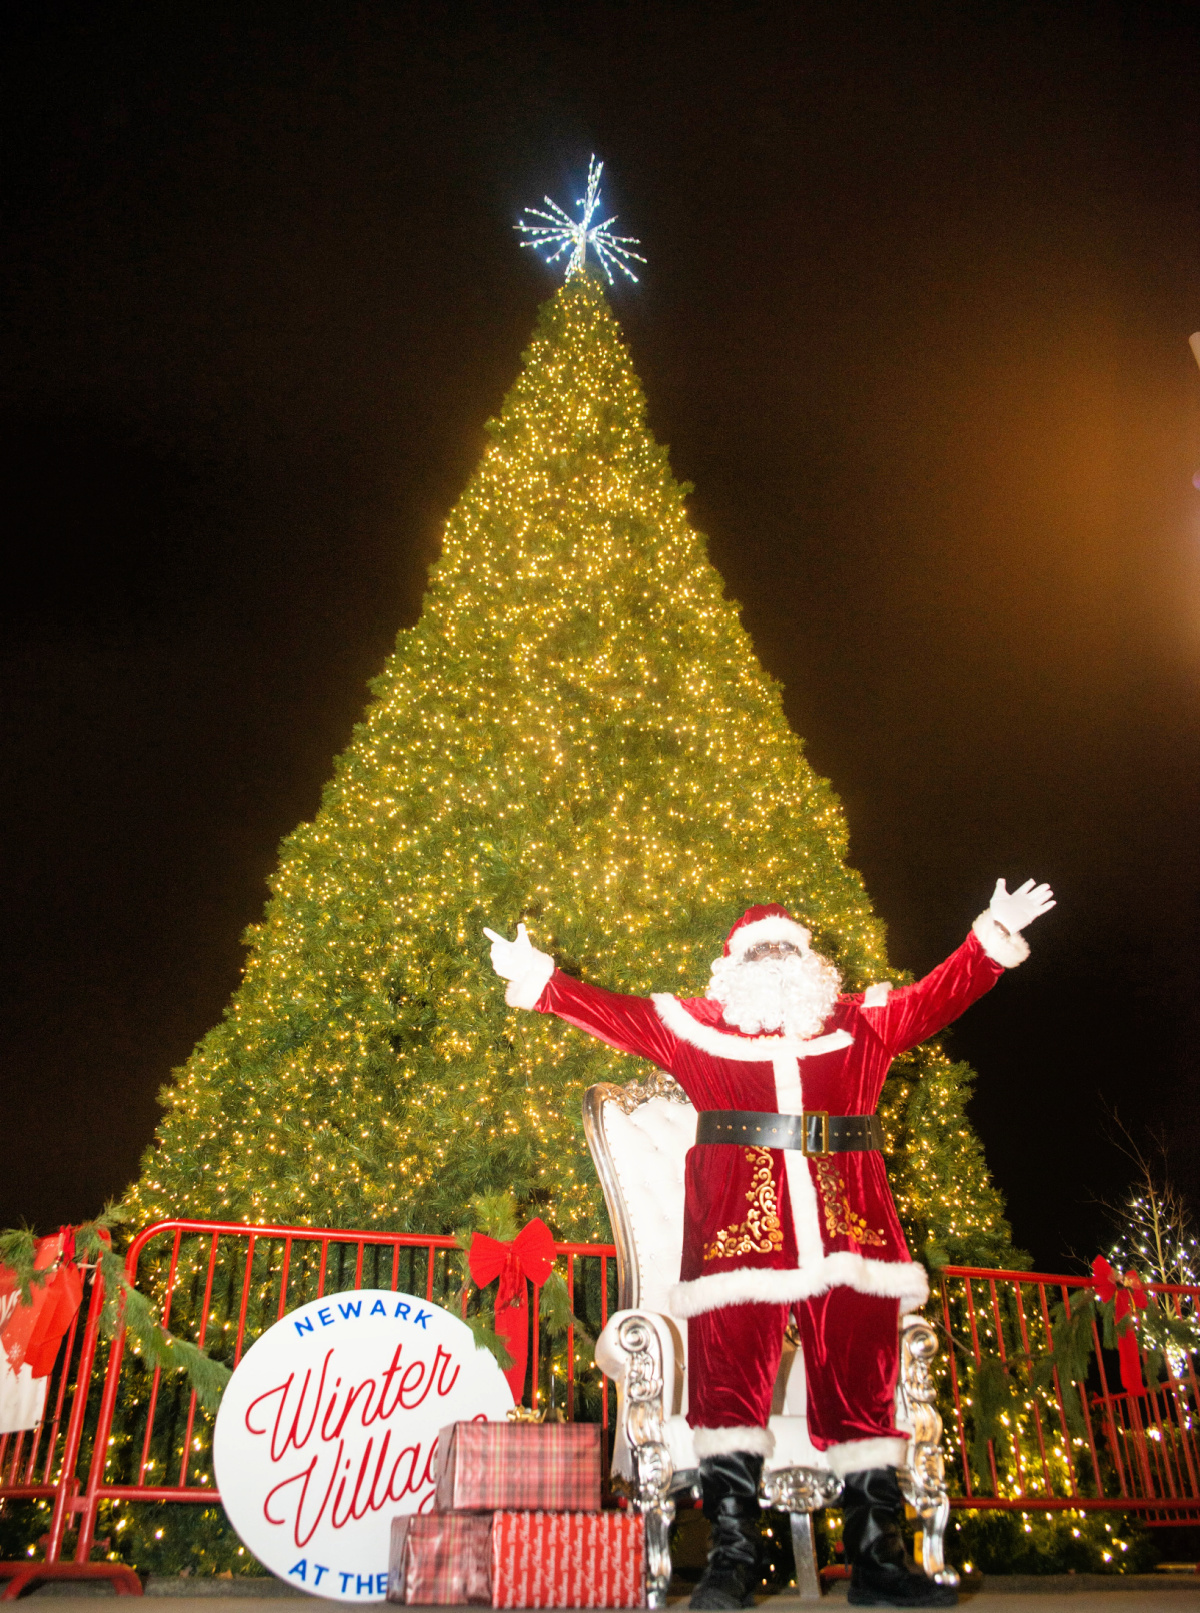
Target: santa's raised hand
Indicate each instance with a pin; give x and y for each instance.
(522, 965)
(510, 958)
(1016, 909)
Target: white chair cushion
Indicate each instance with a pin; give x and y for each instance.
(648, 1149)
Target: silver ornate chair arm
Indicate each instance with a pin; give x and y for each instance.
(924, 1479)
(637, 1351)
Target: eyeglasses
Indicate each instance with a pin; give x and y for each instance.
(770, 949)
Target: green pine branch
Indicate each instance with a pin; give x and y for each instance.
(125, 1306)
(17, 1249)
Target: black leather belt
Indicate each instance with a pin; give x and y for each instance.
(814, 1132)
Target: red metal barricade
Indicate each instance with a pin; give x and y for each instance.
(116, 1433)
(137, 1435)
(1102, 1449)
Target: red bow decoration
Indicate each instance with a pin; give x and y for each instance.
(529, 1255)
(1130, 1296)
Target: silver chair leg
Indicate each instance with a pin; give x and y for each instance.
(642, 1411)
(933, 1543)
(658, 1522)
(923, 1481)
(804, 1545)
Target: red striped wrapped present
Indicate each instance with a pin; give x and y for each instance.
(553, 1467)
(443, 1559)
(568, 1559)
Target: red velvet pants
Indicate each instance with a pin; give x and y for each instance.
(851, 1344)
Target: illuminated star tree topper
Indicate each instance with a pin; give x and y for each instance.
(562, 234)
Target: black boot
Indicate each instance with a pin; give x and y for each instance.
(731, 1506)
(880, 1574)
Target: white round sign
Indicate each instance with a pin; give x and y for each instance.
(328, 1429)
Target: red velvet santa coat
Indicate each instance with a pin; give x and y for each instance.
(770, 1224)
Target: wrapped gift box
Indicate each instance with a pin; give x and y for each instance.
(568, 1559)
(486, 1467)
(441, 1560)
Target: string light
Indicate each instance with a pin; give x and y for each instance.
(1156, 1240)
(1163, 1252)
(949, 1205)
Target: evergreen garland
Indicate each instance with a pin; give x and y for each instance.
(123, 1305)
(1000, 1387)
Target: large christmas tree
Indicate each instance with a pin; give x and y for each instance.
(576, 733)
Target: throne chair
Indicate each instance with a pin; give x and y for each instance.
(639, 1135)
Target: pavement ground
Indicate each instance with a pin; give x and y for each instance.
(1152, 1594)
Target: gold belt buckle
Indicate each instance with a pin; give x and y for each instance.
(814, 1114)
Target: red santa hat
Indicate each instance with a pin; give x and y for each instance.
(767, 922)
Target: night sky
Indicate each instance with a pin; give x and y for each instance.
(915, 324)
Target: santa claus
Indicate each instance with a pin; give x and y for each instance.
(788, 1210)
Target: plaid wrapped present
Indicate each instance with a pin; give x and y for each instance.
(568, 1559)
(441, 1560)
(554, 1467)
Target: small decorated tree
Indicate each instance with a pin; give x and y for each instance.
(1153, 1222)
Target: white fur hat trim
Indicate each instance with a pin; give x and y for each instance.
(772, 928)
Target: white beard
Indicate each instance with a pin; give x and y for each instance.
(795, 994)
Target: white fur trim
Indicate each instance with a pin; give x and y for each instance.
(857, 1454)
(904, 1280)
(524, 991)
(806, 1222)
(721, 1441)
(789, 1100)
(789, 1092)
(1002, 945)
(772, 928)
(743, 1049)
(877, 996)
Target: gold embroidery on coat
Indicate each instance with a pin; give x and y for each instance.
(761, 1233)
(840, 1220)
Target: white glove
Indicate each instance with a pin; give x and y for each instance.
(511, 959)
(998, 929)
(1013, 910)
(520, 963)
